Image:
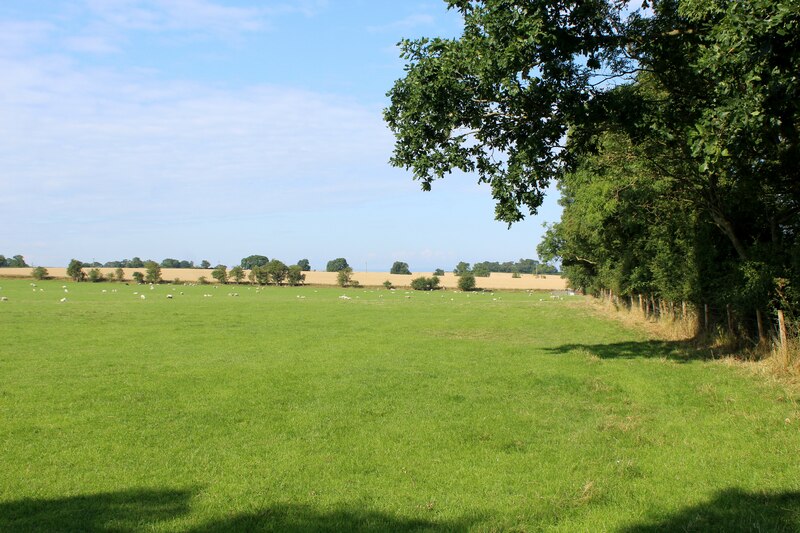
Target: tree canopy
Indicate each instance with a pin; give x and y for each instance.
(337, 265)
(673, 132)
(251, 261)
(400, 267)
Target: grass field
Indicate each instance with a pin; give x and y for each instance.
(440, 411)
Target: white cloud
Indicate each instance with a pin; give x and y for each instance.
(194, 15)
(101, 145)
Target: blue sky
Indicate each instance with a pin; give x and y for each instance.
(211, 129)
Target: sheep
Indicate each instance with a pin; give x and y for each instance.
(343, 297)
(66, 290)
(4, 299)
(142, 296)
(62, 300)
(169, 296)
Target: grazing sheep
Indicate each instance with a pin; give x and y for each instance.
(169, 296)
(142, 296)
(343, 297)
(4, 299)
(62, 300)
(66, 290)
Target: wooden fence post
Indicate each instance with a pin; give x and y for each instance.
(784, 339)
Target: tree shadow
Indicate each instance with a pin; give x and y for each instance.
(138, 510)
(680, 351)
(105, 512)
(295, 518)
(733, 510)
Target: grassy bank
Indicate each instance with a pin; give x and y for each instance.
(291, 408)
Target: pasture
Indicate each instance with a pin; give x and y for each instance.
(292, 409)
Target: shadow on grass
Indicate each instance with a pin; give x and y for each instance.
(114, 511)
(733, 510)
(138, 510)
(299, 518)
(680, 351)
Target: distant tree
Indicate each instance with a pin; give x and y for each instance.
(481, 271)
(186, 264)
(399, 267)
(95, 275)
(119, 274)
(153, 272)
(388, 285)
(3, 261)
(237, 273)
(260, 274)
(202, 280)
(17, 262)
(438, 272)
(467, 281)
(136, 263)
(138, 277)
(39, 273)
(337, 265)
(220, 273)
(344, 278)
(304, 265)
(295, 275)
(277, 271)
(75, 270)
(205, 264)
(252, 261)
(170, 263)
(425, 284)
(461, 268)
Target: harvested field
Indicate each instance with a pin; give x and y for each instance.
(497, 281)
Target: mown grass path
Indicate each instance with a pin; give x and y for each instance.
(436, 411)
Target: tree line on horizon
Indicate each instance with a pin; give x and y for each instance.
(16, 261)
(484, 268)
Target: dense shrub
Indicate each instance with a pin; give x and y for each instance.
(344, 277)
(220, 273)
(39, 273)
(75, 270)
(425, 284)
(295, 275)
(467, 281)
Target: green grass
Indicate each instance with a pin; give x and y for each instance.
(442, 411)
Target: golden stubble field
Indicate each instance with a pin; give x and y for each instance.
(496, 280)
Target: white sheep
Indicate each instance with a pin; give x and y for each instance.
(142, 296)
(4, 299)
(169, 296)
(62, 300)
